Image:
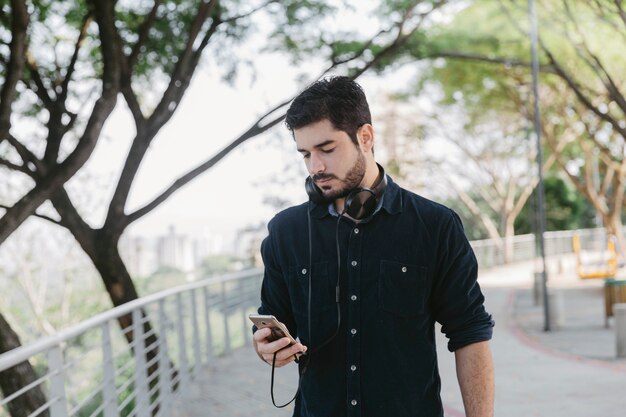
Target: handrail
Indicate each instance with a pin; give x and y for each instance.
(18, 355)
(191, 323)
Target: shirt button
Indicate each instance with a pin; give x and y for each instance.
(404, 269)
(353, 402)
(356, 230)
(353, 298)
(353, 368)
(354, 263)
(353, 331)
(303, 271)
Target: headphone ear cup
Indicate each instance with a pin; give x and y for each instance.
(313, 191)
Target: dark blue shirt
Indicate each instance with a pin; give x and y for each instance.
(402, 269)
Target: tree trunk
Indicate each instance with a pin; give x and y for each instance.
(13, 379)
(102, 248)
(509, 234)
(614, 227)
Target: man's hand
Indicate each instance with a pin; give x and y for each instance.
(285, 353)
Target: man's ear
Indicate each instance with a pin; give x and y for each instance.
(365, 135)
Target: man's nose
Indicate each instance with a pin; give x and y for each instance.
(316, 165)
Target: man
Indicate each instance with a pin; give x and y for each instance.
(361, 284)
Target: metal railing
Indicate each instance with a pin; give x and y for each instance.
(91, 370)
(489, 253)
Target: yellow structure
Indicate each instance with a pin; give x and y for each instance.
(603, 266)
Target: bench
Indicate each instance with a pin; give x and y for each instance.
(595, 265)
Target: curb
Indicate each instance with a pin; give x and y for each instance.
(525, 339)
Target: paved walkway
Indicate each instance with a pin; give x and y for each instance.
(570, 372)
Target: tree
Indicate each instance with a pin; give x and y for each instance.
(565, 208)
(135, 46)
(583, 84)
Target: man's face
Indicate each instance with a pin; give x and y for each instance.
(333, 161)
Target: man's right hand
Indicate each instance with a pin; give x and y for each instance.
(285, 353)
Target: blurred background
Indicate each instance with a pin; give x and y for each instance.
(142, 143)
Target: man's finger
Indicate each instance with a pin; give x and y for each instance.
(262, 334)
(289, 352)
(274, 346)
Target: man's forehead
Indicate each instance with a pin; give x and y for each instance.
(317, 136)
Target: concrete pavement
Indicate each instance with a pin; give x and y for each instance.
(570, 372)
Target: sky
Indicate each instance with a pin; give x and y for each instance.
(229, 196)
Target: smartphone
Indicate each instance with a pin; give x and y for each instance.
(279, 330)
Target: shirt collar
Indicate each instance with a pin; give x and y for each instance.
(391, 202)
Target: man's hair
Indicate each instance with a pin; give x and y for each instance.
(338, 99)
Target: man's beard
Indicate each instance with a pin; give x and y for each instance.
(353, 179)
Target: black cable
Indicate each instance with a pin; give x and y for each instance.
(337, 300)
(272, 386)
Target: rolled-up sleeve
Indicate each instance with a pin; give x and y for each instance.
(457, 298)
(275, 298)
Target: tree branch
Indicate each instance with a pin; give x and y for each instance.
(116, 209)
(581, 96)
(72, 65)
(251, 12)
(593, 61)
(41, 216)
(620, 10)
(147, 129)
(253, 131)
(144, 30)
(59, 174)
(25, 153)
(40, 89)
(185, 67)
(14, 167)
(400, 39)
(489, 224)
(19, 25)
(469, 56)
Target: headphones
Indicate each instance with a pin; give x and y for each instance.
(360, 202)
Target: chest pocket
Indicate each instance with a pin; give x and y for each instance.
(322, 289)
(402, 288)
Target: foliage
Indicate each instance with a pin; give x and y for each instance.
(565, 209)
(480, 61)
(218, 264)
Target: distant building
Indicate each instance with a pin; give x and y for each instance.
(139, 254)
(144, 256)
(248, 244)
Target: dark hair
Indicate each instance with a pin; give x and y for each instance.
(338, 99)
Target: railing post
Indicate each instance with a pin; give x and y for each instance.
(58, 405)
(142, 404)
(225, 315)
(182, 344)
(165, 386)
(243, 303)
(109, 397)
(207, 324)
(196, 333)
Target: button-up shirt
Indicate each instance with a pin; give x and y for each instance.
(400, 270)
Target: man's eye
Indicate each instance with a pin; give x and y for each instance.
(306, 155)
(328, 150)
